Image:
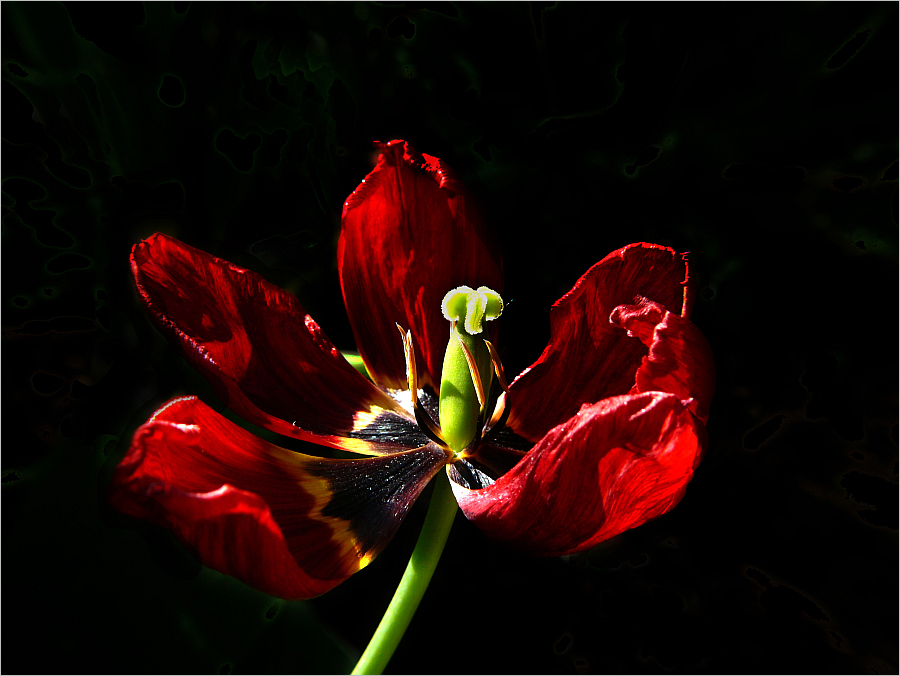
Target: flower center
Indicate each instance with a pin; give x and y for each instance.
(473, 387)
(468, 369)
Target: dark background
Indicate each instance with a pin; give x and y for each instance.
(762, 138)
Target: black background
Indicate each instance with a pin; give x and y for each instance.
(762, 138)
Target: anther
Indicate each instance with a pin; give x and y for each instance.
(426, 424)
(499, 410)
(498, 365)
(411, 375)
(473, 370)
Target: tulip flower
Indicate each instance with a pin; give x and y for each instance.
(599, 435)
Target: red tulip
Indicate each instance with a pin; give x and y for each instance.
(601, 434)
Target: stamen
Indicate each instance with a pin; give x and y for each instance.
(473, 369)
(427, 425)
(498, 365)
(411, 375)
(499, 410)
(472, 447)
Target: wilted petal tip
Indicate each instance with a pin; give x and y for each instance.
(399, 153)
(167, 405)
(252, 340)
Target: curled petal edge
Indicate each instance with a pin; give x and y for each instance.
(587, 359)
(679, 361)
(611, 467)
(266, 358)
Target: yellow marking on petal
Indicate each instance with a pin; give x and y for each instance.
(357, 446)
(350, 552)
(363, 419)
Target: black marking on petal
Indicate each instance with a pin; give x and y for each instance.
(430, 402)
(468, 475)
(495, 461)
(508, 439)
(388, 427)
(375, 494)
(429, 427)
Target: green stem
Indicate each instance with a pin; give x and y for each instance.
(415, 580)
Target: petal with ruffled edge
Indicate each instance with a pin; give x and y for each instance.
(587, 358)
(410, 234)
(680, 359)
(614, 465)
(291, 525)
(265, 357)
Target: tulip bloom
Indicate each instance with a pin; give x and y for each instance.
(601, 434)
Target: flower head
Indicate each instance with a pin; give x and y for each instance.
(601, 434)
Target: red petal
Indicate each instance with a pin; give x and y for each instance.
(680, 360)
(615, 465)
(291, 525)
(409, 235)
(587, 358)
(266, 358)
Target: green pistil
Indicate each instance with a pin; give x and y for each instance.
(466, 309)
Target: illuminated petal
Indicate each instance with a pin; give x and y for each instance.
(587, 358)
(266, 358)
(288, 524)
(410, 234)
(613, 466)
(680, 360)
